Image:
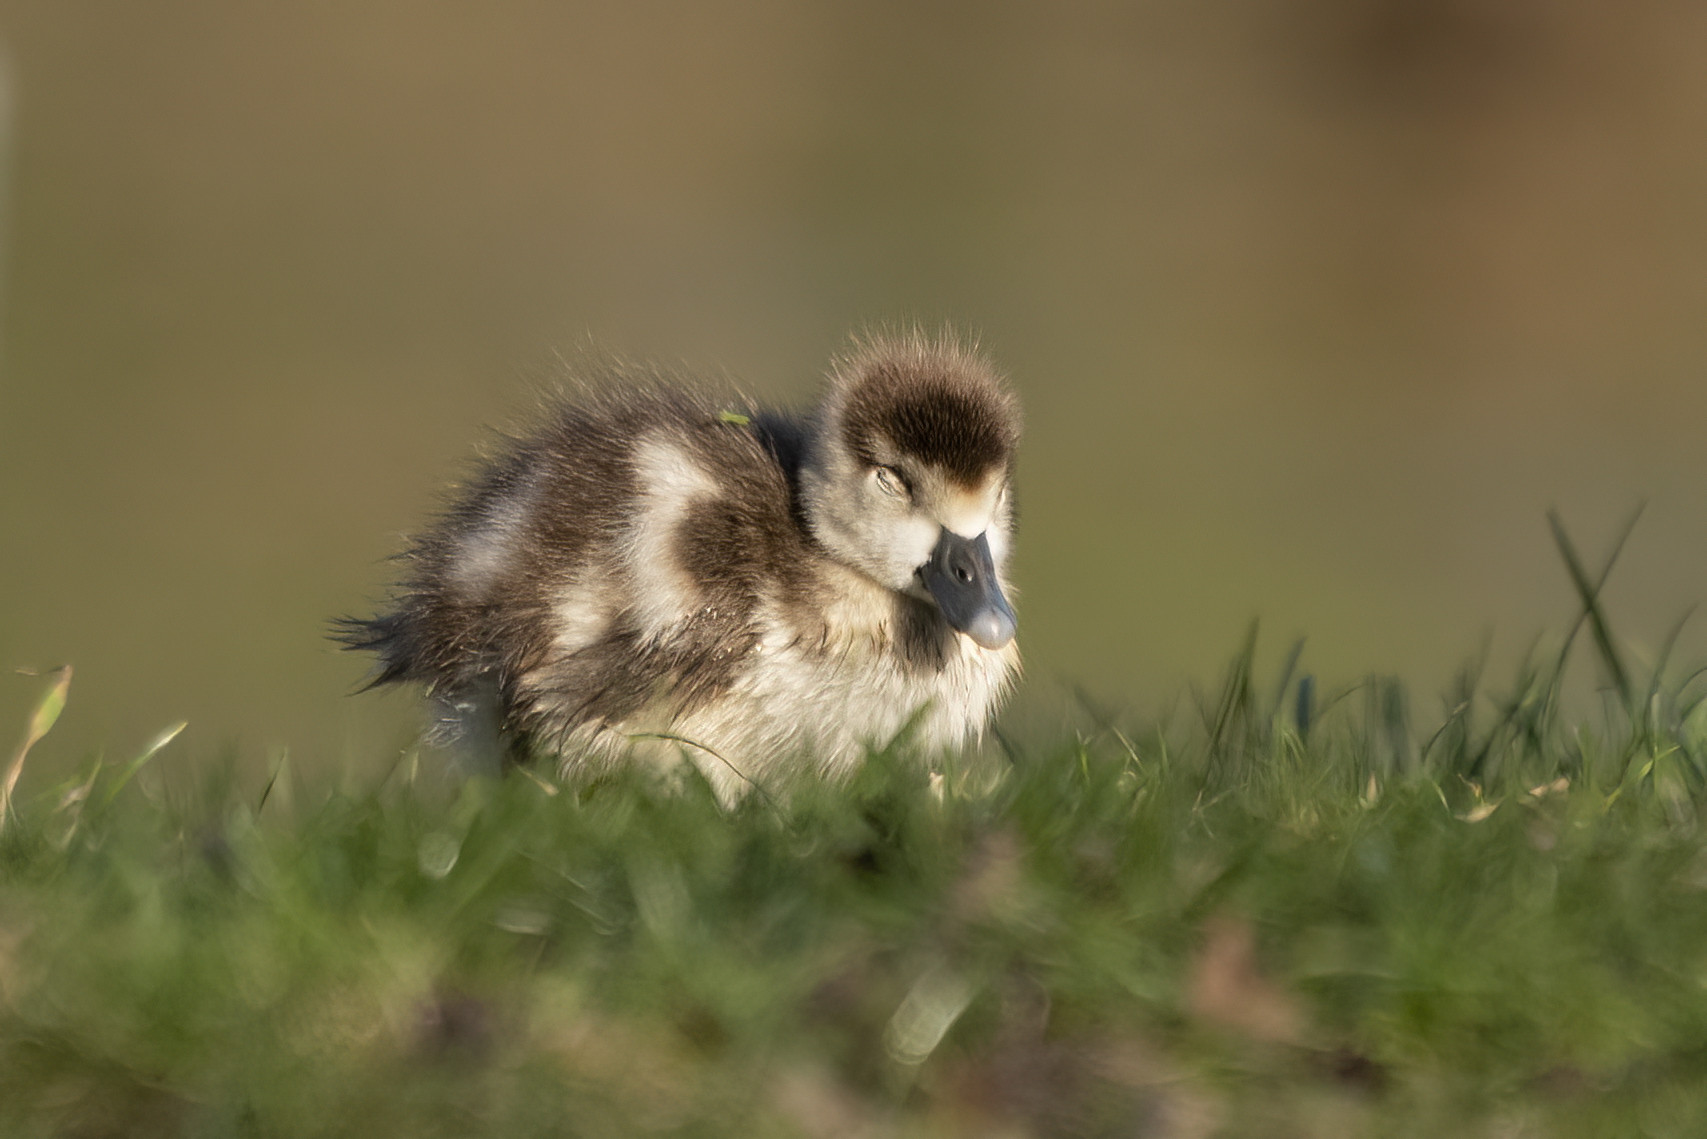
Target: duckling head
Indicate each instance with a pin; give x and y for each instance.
(906, 477)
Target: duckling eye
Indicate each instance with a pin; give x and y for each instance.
(892, 482)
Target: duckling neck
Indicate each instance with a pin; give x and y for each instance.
(787, 438)
(784, 436)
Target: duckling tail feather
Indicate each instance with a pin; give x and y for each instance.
(386, 636)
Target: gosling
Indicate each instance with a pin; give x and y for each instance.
(658, 572)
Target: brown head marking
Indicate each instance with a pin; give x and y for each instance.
(934, 402)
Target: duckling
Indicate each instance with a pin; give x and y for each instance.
(649, 574)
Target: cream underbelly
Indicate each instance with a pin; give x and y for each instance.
(801, 707)
(795, 708)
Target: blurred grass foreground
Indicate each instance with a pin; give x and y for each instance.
(1271, 914)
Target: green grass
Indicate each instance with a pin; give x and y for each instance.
(1276, 915)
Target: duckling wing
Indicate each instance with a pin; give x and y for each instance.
(603, 571)
(660, 611)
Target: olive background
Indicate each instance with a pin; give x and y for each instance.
(1316, 307)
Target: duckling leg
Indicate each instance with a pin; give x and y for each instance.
(468, 726)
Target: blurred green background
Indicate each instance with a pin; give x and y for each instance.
(1315, 305)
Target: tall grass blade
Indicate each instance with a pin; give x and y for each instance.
(1286, 674)
(1667, 647)
(1589, 594)
(46, 714)
(1304, 710)
(281, 770)
(1234, 703)
(141, 761)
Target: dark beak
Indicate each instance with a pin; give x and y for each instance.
(962, 578)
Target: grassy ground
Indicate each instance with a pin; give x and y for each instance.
(1277, 915)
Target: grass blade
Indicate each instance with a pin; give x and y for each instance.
(48, 708)
(1589, 594)
(140, 761)
(1234, 703)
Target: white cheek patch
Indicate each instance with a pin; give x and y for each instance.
(915, 538)
(1001, 531)
(669, 483)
